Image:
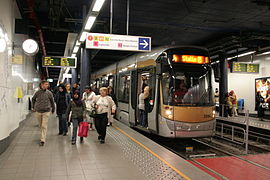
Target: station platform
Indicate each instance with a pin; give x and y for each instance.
(253, 122)
(125, 155)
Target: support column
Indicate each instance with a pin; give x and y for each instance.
(74, 76)
(85, 67)
(223, 82)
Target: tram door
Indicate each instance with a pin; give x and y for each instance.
(146, 77)
(133, 99)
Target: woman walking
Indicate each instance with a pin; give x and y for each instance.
(104, 105)
(88, 98)
(62, 100)
(77, 109)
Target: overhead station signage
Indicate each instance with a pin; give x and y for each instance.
(118, 42)
(245, 68)
(59, 62)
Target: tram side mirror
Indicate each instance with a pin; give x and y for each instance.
(161, 60)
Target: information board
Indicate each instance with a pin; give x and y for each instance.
(245, 68)
(118, 42)
(59, 62)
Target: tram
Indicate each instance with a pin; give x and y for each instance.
(181, 94)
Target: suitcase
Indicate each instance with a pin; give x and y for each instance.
(83, 129)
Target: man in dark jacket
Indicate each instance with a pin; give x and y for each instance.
(43, 104)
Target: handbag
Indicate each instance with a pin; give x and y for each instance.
(93, 112)
(83, 129)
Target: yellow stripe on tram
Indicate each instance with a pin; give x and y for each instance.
(160, 158)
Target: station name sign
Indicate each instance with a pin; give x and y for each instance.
(118, 42)
(245, 68)
(59, 62)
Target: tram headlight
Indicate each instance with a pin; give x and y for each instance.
(214, 113)
(168, 112)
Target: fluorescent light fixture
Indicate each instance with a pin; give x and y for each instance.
(50, 80)
(264, 53)
(90, 22)
(131, 66)
(98, 5)
(76, 49)
(3, 45)
(78, 43)
(73, 55)
(241, 55)
(124, 69)
(83, 36)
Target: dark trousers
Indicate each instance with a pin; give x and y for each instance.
(101, 121)
(261, 112)
(143, 118)
(62, 123)
(76, 123)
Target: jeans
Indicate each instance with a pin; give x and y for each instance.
(62, 123)
(101, 122)
(75, 122)
(143, 118)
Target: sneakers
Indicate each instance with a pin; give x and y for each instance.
(73, 142)
(60, 134)
(102, 141)
(41, 143)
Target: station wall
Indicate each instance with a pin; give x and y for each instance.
(244, 83)
(14, 75)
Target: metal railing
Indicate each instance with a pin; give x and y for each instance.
(234, 129)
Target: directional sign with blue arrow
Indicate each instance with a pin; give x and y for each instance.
(144, 44)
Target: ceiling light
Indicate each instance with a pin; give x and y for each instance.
(83, 36)
(132, 65)
(3, 45)
(98, 5)
(90, 22)
(264, 53)
(75, 50)
(241, 55)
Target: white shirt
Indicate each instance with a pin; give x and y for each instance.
(88, 99)
(105, 104)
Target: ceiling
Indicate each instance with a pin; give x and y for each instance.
(215, 24)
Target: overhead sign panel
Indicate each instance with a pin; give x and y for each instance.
(118, 42)
(245, 68)
(59, 62)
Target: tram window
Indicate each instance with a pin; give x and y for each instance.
(187, 88)
(124, 87)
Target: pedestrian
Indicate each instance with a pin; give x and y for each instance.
(62, 100)
(88, 97)
(68, 88)
(228, 105)
(74, 87)
(113, 96)
(233, 99)
(259, 106)
(104, 105)
(95, 89)
(43, 104)
(77, 109)
(143, 99)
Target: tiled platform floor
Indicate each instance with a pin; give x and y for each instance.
(126, 155)
(59, 160)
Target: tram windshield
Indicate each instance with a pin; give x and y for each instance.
(187, 85)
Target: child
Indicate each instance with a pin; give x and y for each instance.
(77, 107)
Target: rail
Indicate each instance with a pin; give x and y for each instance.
(233, 128)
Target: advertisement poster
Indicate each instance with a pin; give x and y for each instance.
(263, 86)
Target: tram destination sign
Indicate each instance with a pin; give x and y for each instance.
(118, 42)
(59, 62)
(245, 68)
